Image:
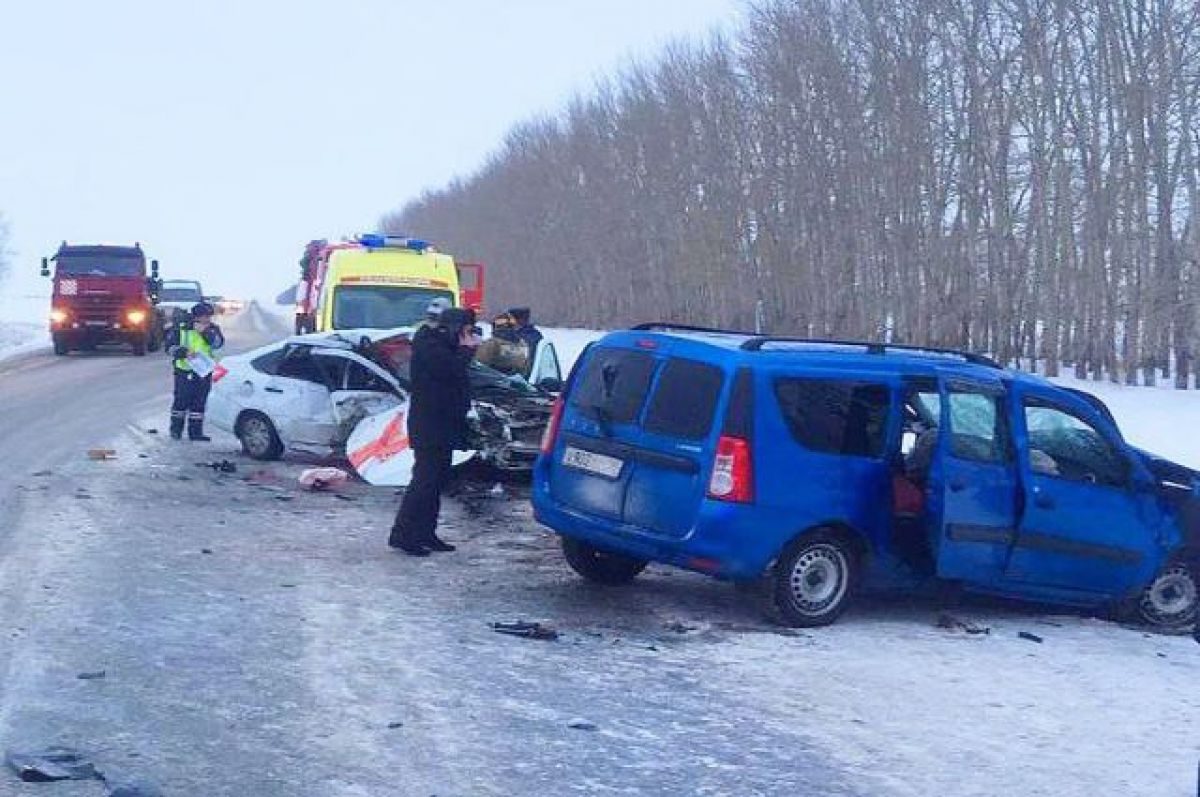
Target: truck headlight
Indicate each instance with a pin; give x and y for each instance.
(136, 316)
(58, 316)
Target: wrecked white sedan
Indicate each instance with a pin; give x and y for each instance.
(345, 393)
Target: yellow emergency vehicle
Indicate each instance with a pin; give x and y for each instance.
(373, 281)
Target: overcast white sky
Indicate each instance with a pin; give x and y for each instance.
(225, 134)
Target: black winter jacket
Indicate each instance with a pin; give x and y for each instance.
(440, 390)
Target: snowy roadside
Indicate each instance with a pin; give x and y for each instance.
(17, 338)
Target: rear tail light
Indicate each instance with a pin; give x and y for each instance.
(219, 372)
(550, 436)
(732, 473)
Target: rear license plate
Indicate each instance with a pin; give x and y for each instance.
(591, 462)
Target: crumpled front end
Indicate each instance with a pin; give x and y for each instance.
(510, 431)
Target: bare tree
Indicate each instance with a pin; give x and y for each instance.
(1015, 176)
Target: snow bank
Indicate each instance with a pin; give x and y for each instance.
(19, 338)
(570, 343)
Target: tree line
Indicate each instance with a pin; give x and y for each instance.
(1017, 177)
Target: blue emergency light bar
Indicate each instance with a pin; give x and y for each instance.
(374, 240)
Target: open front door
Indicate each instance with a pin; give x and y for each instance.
(973, 482)
(544, 371)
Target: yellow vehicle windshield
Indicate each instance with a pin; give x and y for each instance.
(382, 306)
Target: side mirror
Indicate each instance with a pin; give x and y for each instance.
(45, 267)
(550, 385)
(154, 269)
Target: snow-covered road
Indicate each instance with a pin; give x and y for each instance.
(259, 640)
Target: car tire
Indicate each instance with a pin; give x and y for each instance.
(61, 348)
(600, 566)
(139, 348)
(813, 579)
(1171, 602)
(258, 437)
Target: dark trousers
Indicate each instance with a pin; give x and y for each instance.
(416, 522)
(191, 394)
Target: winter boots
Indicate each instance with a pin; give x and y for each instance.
(195, 426)
(177, 419)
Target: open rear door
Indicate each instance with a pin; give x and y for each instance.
(470, 285)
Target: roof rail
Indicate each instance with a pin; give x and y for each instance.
(874, 347)
(756, 342)
(667, 326)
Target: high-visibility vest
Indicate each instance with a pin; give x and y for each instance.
(191, 340)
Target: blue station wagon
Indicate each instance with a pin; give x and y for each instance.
(818, 467)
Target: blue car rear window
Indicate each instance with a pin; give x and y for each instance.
(614, 384)
(685, 399)
(835, 416)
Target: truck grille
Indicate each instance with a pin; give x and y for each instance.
(97, 308)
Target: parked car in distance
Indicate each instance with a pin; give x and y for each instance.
(820, 466)
(307, 393)
(176, 298)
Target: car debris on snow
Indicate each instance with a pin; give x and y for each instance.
(525, 629)
(52, 764)
(219, 466)
(582, 725)
(91, 676)
(1030, 637)
(101, 454)
(952, 623)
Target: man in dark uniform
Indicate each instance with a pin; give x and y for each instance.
(198, 340)
(526, 331)
(440, 397)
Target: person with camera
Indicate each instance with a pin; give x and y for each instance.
(439, 400)
(191, 345)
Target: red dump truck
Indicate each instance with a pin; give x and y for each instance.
(102, 294)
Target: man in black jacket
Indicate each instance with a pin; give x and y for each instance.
(440, 397)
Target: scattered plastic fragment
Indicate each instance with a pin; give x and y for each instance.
(51, 764)
(220, 466)
(1030, 637)
(101, 454)
(528, 630)
(91, 676)
(582, 725)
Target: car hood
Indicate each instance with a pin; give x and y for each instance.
(1170, 473)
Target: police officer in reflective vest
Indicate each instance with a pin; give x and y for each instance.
(193, 379)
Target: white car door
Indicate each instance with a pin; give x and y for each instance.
(365, 389)
(298, 399)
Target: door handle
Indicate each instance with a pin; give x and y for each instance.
(273, 390)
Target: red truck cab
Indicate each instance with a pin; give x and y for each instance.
(102, 294)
